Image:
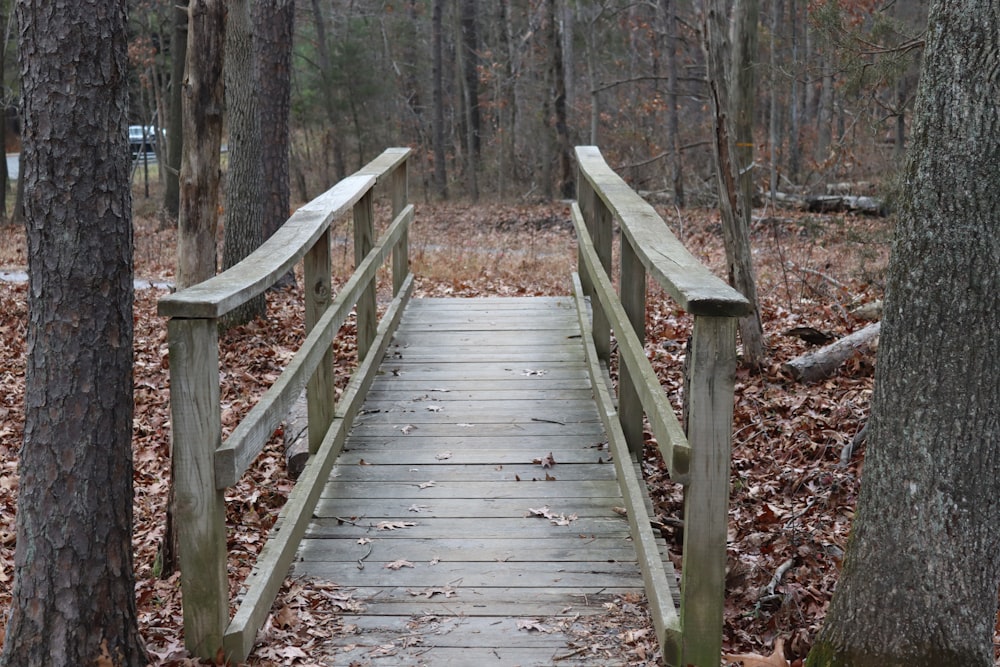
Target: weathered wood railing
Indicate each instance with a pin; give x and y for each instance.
(700, 459)
(203, 465)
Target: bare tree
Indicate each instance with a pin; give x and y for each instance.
(735, 221)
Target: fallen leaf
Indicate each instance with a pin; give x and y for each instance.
(532, 625)
(394, 525)
(621, 511)
(417, 508)
(443, 456)
(428, 593)
(409, 428)
(776, 659)
(397, 564)
(434, 408)
(435, 560)
(364, 540)
(426, 485)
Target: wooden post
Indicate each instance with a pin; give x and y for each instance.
(317, 268)
(633, 298)
(199, 506)
(598, 220)
(364, 240)
(401, 253)
(706, 497)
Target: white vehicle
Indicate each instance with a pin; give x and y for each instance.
(141, 139)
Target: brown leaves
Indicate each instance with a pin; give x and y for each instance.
(776, 659)
(555, 519)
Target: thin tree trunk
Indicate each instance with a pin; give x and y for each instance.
(673, 112)
(735, 225)
(440, 174)
(745, 16)
(922, 569)
(73, 598)
(175, 122)
(470, 92)
(202, 112)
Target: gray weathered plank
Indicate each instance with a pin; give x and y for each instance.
(471, 393)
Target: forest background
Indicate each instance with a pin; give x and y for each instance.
(520, 83)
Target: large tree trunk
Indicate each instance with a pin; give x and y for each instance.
(74, 587)
(735, 223)
(202, 112)
(245, 178)
(920, 578)
(274, 22)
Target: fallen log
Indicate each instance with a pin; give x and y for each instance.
(824, 362)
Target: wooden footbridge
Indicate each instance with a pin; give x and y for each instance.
(477, 483)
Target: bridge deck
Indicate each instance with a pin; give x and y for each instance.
(442, 513)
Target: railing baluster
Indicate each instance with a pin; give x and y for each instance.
(633, 298)
(401, 254)
(364, 240)
(598, 220)
(199, 508)
(317, 268)
(706, 497)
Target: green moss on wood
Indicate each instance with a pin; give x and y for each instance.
(824, 654)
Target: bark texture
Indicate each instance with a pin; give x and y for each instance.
(920, 579)
(274, 22)
(202, 112)
(245, 179)
(73, 596)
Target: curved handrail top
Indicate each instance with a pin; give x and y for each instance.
(260, 269)
(696, 289)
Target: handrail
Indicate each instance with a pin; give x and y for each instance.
(202, 468)
(699, 459)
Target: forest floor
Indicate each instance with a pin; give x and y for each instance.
(792, 500)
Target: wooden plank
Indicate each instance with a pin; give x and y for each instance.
(200, 511)
(538, 527)
(454, 472)
(478, 574)
(405, 381)
(469, 550)
(482, 371)
(589, 430)
(706, 502)
(468, 451)
(273, 259)
(489, 601)
(477, 392)
(449, 656)
(687, 280)
(536, 490)
(485, 508)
